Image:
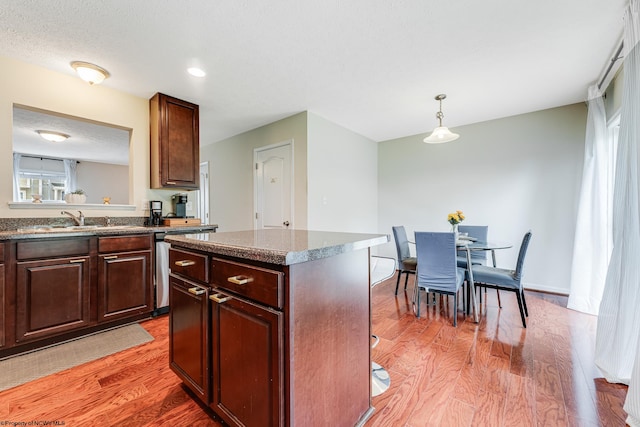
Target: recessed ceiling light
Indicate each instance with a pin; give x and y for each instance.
(52, 136)
(196, 72)
(90, 73)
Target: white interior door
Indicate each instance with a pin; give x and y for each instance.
(203, 193)
(273, 186)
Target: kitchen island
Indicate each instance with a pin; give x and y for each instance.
(273, 327)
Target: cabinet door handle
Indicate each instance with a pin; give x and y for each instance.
(111, 257)
(219, 298)
(196, 291)
(185, 263)
(171, 183)
(75, 261)
(240, 280)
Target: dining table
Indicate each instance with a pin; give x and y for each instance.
(469, 245)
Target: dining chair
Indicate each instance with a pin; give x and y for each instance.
(481, 233)
(406, 263)
(504, 279)
(437, 270)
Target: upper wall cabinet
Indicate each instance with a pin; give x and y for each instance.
(175, 155)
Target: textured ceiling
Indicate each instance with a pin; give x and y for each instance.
(88, 141)
(372, 66)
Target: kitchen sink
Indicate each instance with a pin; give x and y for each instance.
(35, 228)
(59, 229)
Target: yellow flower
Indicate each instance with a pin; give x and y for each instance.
(455, 217)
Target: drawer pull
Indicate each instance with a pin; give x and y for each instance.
(240, 280)
(196, 291)
(76, 261)
(219, 298)
(185, 263)
(111, 257)
(171, 183)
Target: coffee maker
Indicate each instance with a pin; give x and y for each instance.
(180, 204)
(155, 212)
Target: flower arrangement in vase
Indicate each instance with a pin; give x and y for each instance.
(454, 219)
(76, 197)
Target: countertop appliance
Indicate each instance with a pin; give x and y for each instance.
(161, 267)
(155, 212)
(180, 205)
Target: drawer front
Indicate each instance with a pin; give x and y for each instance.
(255, 283)
(36, 249)
(124, 243)
(191, 265)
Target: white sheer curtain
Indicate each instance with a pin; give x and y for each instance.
(593, 241)
(618, 330)
(70, 171)
(16, 176)
(630, 131)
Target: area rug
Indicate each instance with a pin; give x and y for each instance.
(27, 367)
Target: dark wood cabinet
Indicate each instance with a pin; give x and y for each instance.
(3, 320)
(175, 143)
(55, 289)
(246, 360)
(288, 345)
(52, 297)
(189, 335)
(124, 278)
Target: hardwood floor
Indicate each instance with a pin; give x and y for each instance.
(494, 373)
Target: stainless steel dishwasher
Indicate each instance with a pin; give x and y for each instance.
(161, 271)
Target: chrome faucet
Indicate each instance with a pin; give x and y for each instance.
(79, 220)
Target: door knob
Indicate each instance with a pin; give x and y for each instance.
(286, 223)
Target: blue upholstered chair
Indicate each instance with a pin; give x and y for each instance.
(506, 280)
(479, 232)
(437, 270)
(406, 263)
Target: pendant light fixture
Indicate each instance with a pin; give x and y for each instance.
(90, 73)
(441, 133)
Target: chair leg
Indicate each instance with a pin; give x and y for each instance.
(455, 310)
(406, 279)
(524, 303)
(498, 293)
(519, 295)
(398, 281)
(416, 300)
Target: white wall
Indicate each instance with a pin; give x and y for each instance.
(231, 172)
(513, 174)
(100, 180)
(342, 176)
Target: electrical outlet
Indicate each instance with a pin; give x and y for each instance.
(189, 206)
(145, 204)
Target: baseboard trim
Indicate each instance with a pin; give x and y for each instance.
(546, 289)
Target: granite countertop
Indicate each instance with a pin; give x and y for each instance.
(44, 231)
(278, 246)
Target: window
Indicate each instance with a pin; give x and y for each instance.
(37, 175)
(50, 186)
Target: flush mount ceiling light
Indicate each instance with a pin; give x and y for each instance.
(441, 134)
(196, 72)
(90, 73)
(52, 136)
